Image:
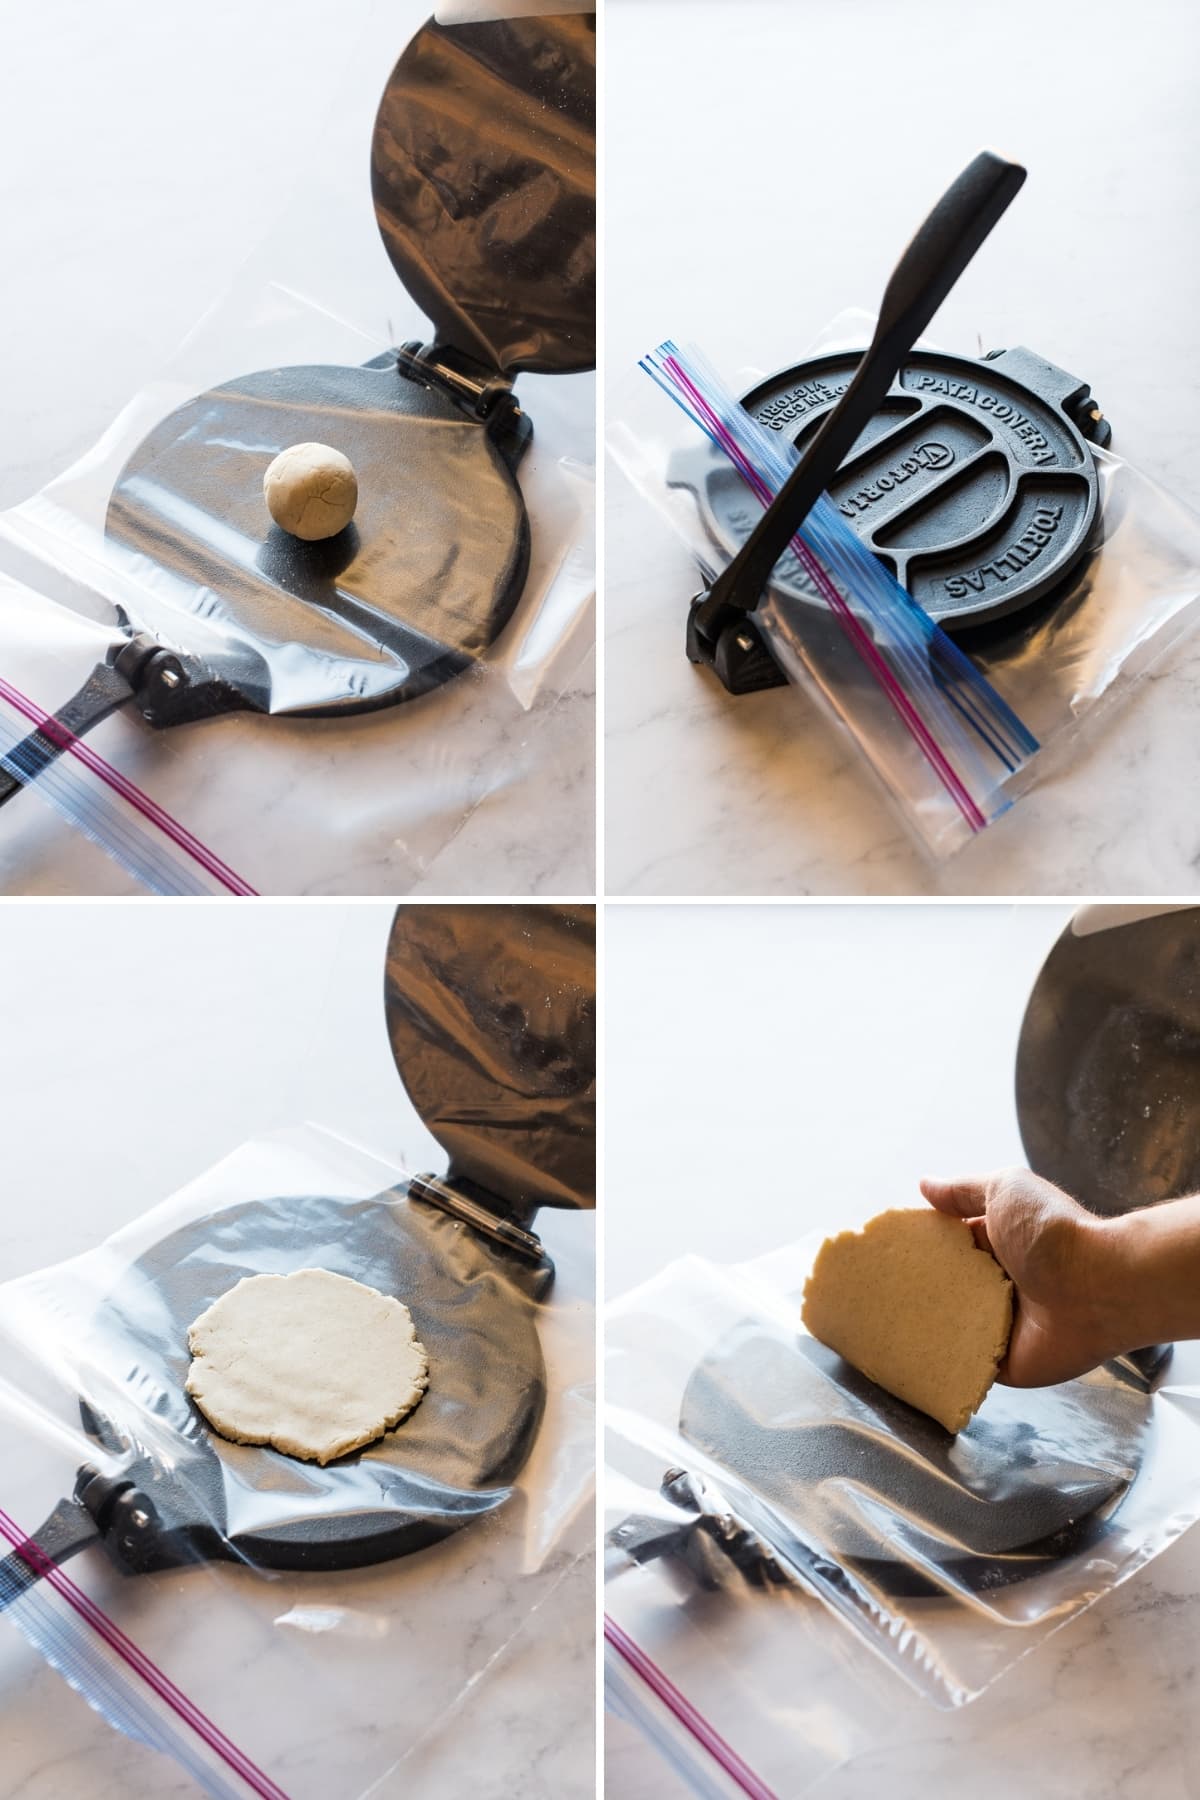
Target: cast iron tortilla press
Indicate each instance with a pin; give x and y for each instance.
(491, 1013)
(855, 1490)
(483, 176)
(972, 481)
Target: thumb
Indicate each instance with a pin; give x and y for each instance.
(963, 1199)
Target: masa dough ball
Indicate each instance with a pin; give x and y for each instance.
(311, 490)
(312, 1363)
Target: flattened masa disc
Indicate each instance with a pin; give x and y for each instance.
(452, 1460)
(410, 594)
(972, 484)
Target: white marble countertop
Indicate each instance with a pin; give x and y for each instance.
(917, 1007)
(862, 114)
(145, 158)
(128, 1077)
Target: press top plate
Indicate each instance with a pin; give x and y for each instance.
(484, 180)
(973, 483)
(1108, 1064)
(491, 1012)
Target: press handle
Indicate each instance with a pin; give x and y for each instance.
(69, 1529)
(139, 668)
(926, 272)
(942, 248)
(103, 693)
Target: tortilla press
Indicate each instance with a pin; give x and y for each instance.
(483, 177)
(491, 1017)
(836, 1462)
(972, 481)
(820, 1473)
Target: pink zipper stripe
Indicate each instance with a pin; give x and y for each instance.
(739, 1772)
(142, 803)
(32, 1553)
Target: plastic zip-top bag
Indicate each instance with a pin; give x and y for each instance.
(788, 1549)
(941, 551)
(265, 1620)
(925, 717)
(956, 728)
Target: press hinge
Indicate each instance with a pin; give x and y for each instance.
(731, 645)
(482, 392)
(452, 1197)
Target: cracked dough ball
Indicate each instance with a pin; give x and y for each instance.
(311, 490)
(311, 1363)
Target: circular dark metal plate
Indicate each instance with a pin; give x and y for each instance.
(1033, 1478)
(1108, 1063)
(491, 1012)
(483, 171)
(454, 1458)
(972, 484)
(410, 594)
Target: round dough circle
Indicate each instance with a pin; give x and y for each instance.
(311, 1363)
(311, 490)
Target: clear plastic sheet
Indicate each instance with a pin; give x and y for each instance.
(1133, 596)
(266, 1621)
(783, 1538)
(161, 525)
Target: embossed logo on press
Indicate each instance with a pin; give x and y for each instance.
(925, 456)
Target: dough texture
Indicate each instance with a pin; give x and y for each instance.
(916, 1305)
(312, 1363)
(311, 491)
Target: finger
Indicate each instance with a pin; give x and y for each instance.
(966, 1199)
(979, 1232)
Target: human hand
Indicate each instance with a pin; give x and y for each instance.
(1063, 1263)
